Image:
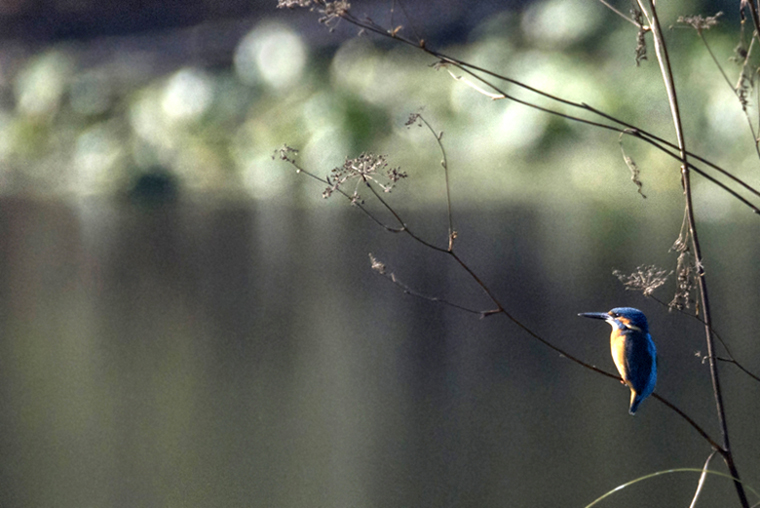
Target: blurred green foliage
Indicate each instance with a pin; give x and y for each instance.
(76, 130)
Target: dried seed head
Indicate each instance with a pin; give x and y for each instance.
(646, 279)
(368, 168)
(377, 265)
(699, 22)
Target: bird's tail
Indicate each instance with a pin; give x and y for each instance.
(635, 401)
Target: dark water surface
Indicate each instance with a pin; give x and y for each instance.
(236, 356)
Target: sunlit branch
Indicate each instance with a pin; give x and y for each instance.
(650, 11)
(660, 143)
(619, 13)
(445, 165)
(702, 478)
(753, 14)
(669, 471)
(498, 93)
(736, 89)
(681, 156)
(490, 95)
(630, 130)
(500, 309)
(471, 69)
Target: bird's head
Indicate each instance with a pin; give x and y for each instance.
(622, 318)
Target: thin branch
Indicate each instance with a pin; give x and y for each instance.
(285, 154)
(753, 14)
(714, 58)
(738, 89)
(444, 60)
(660, 473)
(642, 134)
(408, 19)
(686, 167)
(480, 90)
(739, 366)
(619, 13)
(650, 11)
(702, 478)
(420, 120)
(730, 358)
(661, 143)
(381, 269)
(717, 447)
(627, 129)
(445, 165)
(403, 226)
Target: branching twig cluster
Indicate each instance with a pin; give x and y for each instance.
(289, 155)
(690, 273)
(647, 279)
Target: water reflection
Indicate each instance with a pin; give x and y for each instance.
(178, 355)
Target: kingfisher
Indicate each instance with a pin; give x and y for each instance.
(633, 351)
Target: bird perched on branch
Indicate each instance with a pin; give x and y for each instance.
(633, 351)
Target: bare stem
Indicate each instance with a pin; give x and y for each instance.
(679, 152)
(650, 11)
(753, 15)
(736, 89)
(619, 13)
(730, 358)
(702, 478)
(478, 74)
(381, 269)
(445, 165)
(500, 309)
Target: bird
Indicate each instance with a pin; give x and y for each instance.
(633, 351)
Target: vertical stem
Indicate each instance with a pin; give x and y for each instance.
(650, 11)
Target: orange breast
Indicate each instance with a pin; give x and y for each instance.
(617, 347)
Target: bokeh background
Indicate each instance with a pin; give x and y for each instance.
(186, 322)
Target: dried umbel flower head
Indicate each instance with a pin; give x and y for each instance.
(414, 118)
(646, 279)
(368, 168)
(285, 153)
(699, 22)
(330, 10)
(291, 4)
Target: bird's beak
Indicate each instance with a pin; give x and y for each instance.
(595, 315)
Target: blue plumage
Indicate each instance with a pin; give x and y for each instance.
(633, 351)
